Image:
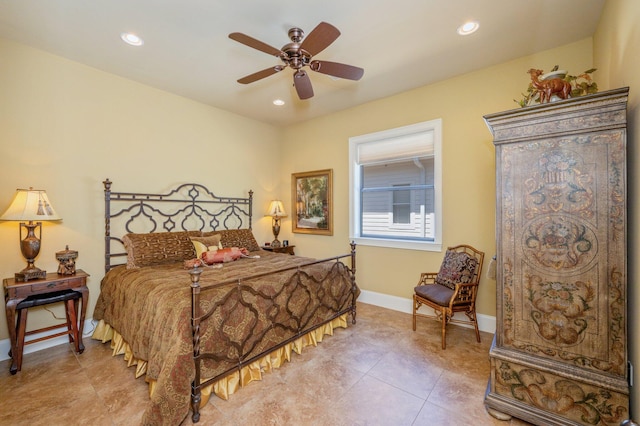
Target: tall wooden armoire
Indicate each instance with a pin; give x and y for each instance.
(559, 356)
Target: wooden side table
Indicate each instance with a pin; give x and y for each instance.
(282, 249)
(19, 296)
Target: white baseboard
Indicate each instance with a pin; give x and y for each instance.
(5, 344)
(486, 323)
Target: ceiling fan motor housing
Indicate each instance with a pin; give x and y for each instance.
(294, 56)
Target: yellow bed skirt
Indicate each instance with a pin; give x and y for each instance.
(230, 384)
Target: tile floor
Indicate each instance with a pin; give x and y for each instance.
(378, 372)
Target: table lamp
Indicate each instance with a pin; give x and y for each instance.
(276, 211)
(30, 205)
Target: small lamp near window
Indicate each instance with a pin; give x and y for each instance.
(276, 211)
(30, 205)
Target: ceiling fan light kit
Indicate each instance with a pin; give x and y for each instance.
(299, 54)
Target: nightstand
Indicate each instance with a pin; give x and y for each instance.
(20, 296)
(282, 249)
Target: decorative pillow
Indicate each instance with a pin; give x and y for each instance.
(236, 238)
(202, 244)
(223, 255)
(157, 248)
(457, 267)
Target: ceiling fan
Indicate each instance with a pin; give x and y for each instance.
(299, 54)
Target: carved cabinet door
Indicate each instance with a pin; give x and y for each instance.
(560, 352)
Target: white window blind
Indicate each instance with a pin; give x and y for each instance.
(416, 145)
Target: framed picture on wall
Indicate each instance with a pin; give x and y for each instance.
(312, 201)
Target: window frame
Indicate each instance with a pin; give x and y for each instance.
(355, 182)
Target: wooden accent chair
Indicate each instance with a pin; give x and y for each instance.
(451, 290)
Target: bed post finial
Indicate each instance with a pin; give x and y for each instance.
(353, 256)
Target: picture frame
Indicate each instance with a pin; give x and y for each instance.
(312, 202)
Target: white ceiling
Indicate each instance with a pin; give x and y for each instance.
(401, 44)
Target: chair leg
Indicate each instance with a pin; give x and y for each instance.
(444, 328)
(415, 308)
(475, 324)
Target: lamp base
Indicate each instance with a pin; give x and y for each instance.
(30, 247)
(28, 274)
(275, 227)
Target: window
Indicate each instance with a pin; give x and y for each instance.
(395, 187)
(401, 204)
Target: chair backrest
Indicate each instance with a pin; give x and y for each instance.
(461, 264)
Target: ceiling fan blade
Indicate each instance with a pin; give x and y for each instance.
(320, 38)
(256, 44)
(261, 74)
(337, 70)
(302, 83)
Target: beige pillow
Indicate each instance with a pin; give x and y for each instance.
(203, 244)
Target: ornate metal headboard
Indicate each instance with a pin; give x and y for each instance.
(188, 207)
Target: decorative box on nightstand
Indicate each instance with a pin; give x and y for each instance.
(283, 249)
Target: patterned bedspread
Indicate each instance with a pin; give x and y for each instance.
(151, 308)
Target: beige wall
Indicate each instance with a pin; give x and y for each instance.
(617, 56)
(468, 165)
(65, 128)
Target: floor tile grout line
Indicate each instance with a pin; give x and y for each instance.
(423, 348)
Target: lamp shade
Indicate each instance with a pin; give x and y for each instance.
(30, 204)
(276, 209)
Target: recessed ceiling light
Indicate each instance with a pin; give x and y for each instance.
(278, 102)
(131, 39)
(468, 28)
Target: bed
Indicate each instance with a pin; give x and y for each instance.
(208, 329)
